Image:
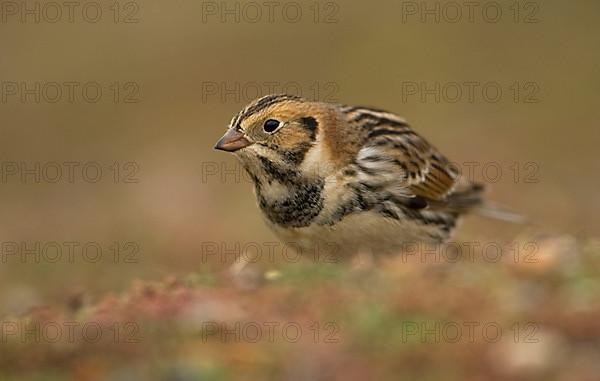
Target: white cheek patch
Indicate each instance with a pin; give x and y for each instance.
(316, 161)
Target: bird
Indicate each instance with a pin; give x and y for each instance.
(355, 178)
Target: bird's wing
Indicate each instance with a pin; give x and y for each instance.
(394, 159)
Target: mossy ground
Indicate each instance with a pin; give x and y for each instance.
(402, 318)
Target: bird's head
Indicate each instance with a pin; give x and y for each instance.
(275, 130)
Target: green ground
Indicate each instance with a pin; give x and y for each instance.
(532, 317)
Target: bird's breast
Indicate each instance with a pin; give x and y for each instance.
(291, 205)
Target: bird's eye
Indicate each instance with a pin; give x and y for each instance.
(271, 125)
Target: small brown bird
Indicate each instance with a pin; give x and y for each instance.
(356, 177)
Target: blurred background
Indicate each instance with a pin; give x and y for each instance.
(132, 97)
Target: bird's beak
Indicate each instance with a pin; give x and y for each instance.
(233, 140)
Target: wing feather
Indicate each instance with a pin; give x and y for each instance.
(395, 158)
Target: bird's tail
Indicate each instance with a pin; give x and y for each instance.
(471, 199)
(492, 210)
